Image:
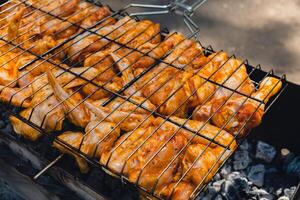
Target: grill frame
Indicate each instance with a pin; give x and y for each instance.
(118, 94)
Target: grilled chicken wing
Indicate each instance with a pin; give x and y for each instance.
(175, 90)
(242, 113)
(98, 137)
(182, 191)
(45, 112)
(88, 43)
(128, 120)
(73, 139)
(75, 111)
(8, 69)
(230, 73)
(202, 129)
(206, 161)
(157, 50)
(20, 97)
(58, 8)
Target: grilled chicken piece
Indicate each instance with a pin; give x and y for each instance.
(243, 113)
(211, 132)
(98, 137)
(8, 69)
(156, 50)
(176, 93)
(115, 158)
(207, 160)
(45, 112)
(59, 8)
(20, 97)
(172, 89)
(73, 139)
(230, 73)
(75, 111)
(127, 120)
(127, 74)
(14, 23)
(147, 175)
(181, 192)
(88, 43)
(130, 157)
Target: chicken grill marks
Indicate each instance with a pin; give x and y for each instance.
(154, 108)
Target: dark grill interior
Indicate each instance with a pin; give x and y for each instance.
(53, 56)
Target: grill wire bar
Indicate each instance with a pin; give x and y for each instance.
(160, 61)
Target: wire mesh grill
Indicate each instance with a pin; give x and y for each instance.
(154, 108)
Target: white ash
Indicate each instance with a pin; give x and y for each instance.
(260, 175)
(283, 198)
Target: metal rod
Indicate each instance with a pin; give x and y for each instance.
(45, 169)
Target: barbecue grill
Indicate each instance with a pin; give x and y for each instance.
(49, 55)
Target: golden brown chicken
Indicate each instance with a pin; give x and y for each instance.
(88, 43)
(149, 157)
(40, 32)
(213, 133)
(240, 113)
(200, 164)
(175, 90)
(72, 139)
(75, 111)
(156, 51)
(128, 119)
(44, 112)
(98, 137)
(230, 73)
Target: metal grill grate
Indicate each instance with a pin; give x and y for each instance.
(164, 58)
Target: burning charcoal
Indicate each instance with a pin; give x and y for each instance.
(241, 160)
(278, 192)
(256, 174)
(234, 175)
(283, 198)
(212, 191)
(240, 182)
(289, 191)
(262, 194)
(265, 151)
(245, 146)
(293, 167)
(217, 177)
(225, 171)
(2, 124)
(229, 190)
(217, 185)
(219, 197)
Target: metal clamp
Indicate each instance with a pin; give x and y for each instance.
(180, 7)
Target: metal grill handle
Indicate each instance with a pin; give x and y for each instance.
(179, 7)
